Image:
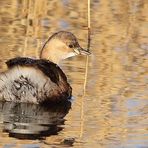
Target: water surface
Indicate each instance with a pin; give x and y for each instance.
(113, 112)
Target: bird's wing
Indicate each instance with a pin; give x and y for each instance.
(49, 68)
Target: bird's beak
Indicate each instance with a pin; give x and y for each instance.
(82, 51)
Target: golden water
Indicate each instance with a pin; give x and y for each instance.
(113, 112)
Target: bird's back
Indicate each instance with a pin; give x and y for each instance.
(31, 80)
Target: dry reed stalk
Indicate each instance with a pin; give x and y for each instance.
(86, 71)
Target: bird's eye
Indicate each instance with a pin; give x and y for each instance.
(70, 46)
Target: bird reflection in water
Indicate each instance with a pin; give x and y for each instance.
(33, 121)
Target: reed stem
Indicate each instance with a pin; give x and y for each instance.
(86, 71)
(88, 24)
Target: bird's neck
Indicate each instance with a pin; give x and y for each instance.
(54, 51)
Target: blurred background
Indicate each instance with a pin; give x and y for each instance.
(113, 112)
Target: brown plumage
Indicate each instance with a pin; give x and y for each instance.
(40, 80)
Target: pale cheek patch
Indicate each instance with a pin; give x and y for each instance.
(71, 54)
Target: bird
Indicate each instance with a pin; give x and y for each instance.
(41, 80)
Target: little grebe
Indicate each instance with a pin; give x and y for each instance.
(41, 80)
